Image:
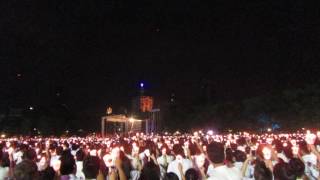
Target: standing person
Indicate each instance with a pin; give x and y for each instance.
(164, 160)
(180, 165)
(68, 166)
(218, 170)
(4, 165)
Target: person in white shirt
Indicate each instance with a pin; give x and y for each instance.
(164, 160)
(4, 165)
(79, 163)
(217, 169)
(179, 159)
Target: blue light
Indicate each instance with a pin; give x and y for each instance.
(141, 85)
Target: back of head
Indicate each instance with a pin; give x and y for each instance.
(281, 172)
(296, 167)
(215, 152)
(240, 156)
(47, 174)
(150, 171)
(178, 150)
(68, 163)
(26, 170)
(261, 172)
(91, 165)
(171, 176)
(29, 154)
(192, 174)
(80, 155)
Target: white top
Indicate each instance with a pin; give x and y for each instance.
(173, 166)
(4, 172)
(161, 162)
(223, 173)
(79, 173)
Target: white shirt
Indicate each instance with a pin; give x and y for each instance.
(223, 173)
(310, 161)
(173, 166)
(161, 161)
(4, 172)
(79, 173)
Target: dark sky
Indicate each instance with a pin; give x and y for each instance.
(94, 53)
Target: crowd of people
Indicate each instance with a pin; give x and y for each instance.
(196, 156)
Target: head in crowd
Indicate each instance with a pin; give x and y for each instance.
(171, 176)
(240, 156)
(80, 155)
(264, 151)
(30, 154)
(215, 152)
(150, 171)
(261, 172)
(281, 172)
(303, 146)
(192, 174)
(26, 170)
(296, 167)
(178, 150)
(68, 164)
(47, 174)
(91, 166)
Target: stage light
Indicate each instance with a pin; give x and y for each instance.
(141, 85)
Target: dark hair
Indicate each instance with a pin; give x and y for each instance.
(229, 155)
(261, 172)
(67, 163)
(215, 152)
(177, 149)
(192, 174)
(29, 154)
(91, 165)
(240, 156)
(4, 159)
(150, 171)
(281, 172)
(296, 167)
(26, 170)
(80, 155)
(47, 174)
(59, 150)
(171, 176)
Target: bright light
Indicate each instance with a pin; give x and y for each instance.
(210, 132)
(31, 108)
(141, 85)
(131, 119)
(3, 135)
(269, 129)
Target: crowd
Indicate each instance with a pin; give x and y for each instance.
(196, 156)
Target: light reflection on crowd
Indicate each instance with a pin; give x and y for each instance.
(196, 156)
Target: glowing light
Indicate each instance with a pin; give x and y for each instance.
(269, 129)
(141, 85)
(31, 108)
(3, 135)
(210, 132)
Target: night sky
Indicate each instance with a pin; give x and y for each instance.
(90, 54)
